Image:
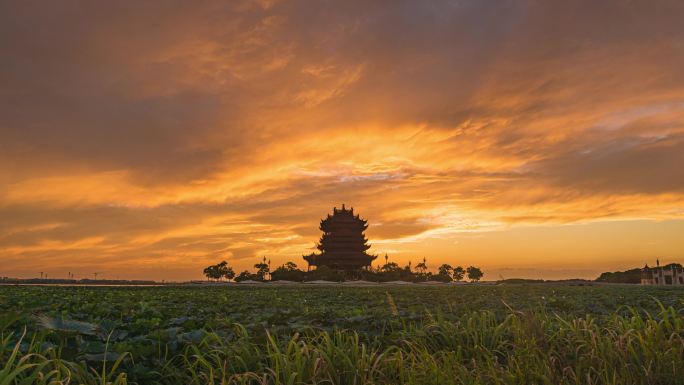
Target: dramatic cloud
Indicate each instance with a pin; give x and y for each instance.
(148, 139)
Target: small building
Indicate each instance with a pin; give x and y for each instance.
(668, 275)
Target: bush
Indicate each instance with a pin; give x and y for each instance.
(441, 278)
(247, 276)
(325, 273)
(283, 274)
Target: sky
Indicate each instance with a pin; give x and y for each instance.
(147, 140)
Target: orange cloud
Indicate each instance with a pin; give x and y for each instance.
(526, 138)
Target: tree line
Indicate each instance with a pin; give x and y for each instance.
(390, 271)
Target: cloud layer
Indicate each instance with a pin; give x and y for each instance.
(164, 136)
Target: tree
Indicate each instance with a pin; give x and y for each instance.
(445, 269)
(222, 269)
(422, 267)
(262, 270)
(228, 273)
(457, 273)
(326, 274)
(629, 276)
(218, 271)
(209, 272)
(244, 276)
(212, 272)
(474, 273)
(288, 272)
(389, 267)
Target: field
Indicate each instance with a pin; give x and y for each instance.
(517, 334)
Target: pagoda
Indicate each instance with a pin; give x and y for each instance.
(343, 244)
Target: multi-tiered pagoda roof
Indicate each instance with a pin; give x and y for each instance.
(343, 244)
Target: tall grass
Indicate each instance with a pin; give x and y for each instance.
(476, 348)
(36, 362)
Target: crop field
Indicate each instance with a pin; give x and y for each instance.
(507, 334)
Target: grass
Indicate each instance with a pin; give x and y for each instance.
(31, 363)
(436, 335)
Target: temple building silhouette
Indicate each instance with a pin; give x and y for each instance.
(343, 244)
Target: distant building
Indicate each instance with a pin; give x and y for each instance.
(343, 244)
(668, 275)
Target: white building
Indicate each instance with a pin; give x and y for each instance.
(669, 275)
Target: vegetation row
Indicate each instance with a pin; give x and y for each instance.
(390, 271)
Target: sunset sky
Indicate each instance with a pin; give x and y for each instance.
(148, 139)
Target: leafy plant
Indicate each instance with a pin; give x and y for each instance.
(541, 334)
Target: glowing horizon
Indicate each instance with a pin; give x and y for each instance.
(147, 141)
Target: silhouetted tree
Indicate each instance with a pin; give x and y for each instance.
(445, 269)
(208, 273)
(458, 273)
(474, 273)
(326, 274)
(228, 273)
(391, 266)
(244, 276)
(218, 271)
(262, 270)
(221, 269)
(629, 276)
(422, 267)
(288, 272)
(212, 272)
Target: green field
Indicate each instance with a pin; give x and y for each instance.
(518, 334)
